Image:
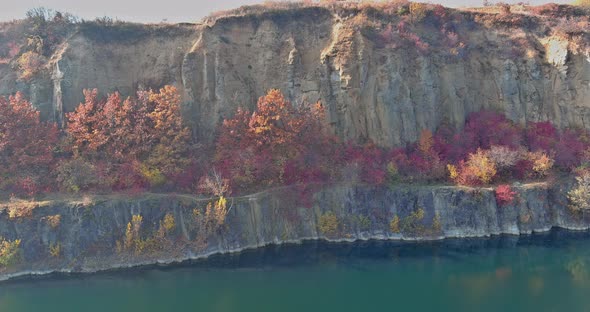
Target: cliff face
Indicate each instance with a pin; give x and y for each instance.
(88, 231)
(374, 87)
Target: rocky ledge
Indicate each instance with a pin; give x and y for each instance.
(100, 232)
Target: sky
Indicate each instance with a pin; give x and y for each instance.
(160, 10)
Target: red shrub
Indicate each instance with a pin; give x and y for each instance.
(26, 186)
(371, 161)
(541, 136)
(504, 195)
(523, 169)
(490, 128)
(569, 150)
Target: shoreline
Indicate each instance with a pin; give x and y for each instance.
(90, 236)
(27, 276)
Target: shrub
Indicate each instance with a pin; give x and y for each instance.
(55, 250)
(153, 176)
(504, 195)
(214, 184)
(412, 224)
(53, 221)
(217, 212)
(10, 253)
(487, 128)
(328, 224)
(579, 196)
(18, 208)
(541, 163)
(481, 165)
(436, 224)
(394, 224)
(392, 172)
(477, 170)
(8, 52)
(132, 239)
(569, 149)
(167, 225)
(29, 64)
(503, 157)
(76, 175)
(541, 136)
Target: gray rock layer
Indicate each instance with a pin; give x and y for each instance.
(88, 232)
(371, 91)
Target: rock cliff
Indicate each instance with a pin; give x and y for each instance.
(90, 232)
(361, 63)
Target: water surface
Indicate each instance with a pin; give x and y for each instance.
(549, 272)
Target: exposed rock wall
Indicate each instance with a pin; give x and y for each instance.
(88, 231)
(371, 90)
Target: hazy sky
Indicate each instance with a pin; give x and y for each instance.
(158, 10)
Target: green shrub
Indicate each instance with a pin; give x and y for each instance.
(10, 253)
(412, 224)
(76, 175)
(364, 223)
(328, 223)
(436, 225)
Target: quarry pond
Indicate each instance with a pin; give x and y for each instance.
(542, 272)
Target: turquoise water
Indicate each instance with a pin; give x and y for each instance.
(548, 272)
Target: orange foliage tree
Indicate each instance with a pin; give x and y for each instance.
(276, 144)
(138, 140)
(479, 169)
(26, 146)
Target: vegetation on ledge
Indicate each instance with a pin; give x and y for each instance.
(140, 144)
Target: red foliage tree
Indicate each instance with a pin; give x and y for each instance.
(140, 140)
(276, 144)
(26, 146)
(504, 195)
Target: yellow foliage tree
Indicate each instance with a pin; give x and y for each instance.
(481, 166)
(541, 163)
(132, 235)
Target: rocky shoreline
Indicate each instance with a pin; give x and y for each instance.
(89, 231)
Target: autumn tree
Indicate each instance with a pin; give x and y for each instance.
(26, 146)
(479, 169)
(139, 139)
(276, 144)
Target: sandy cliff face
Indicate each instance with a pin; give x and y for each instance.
(88, 230)
(383, 92)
